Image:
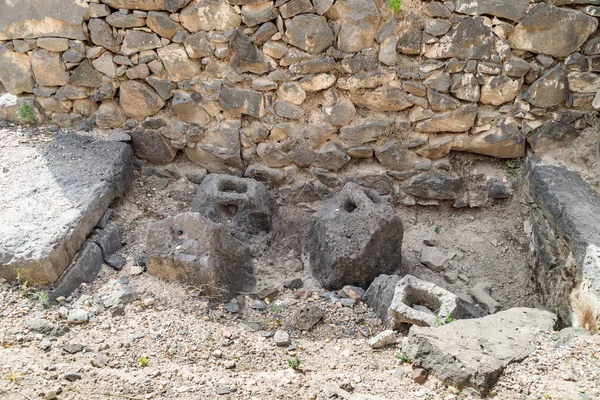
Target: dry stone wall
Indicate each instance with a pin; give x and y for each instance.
(338, 89)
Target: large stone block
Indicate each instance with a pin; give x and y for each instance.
(192, 249)
(45, 220)
(472, 38)
(359, 24)
(567, 28)
(15, 72)
(219, 149)
(355, 237)
(243, 205)
(42, 18)
(566, 243)
(475, 352)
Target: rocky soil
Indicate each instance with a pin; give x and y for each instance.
(132, 336)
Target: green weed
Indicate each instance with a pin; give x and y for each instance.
(294, 363)
(143, 361)
(27, 114)
(404, 358)
(394, 5)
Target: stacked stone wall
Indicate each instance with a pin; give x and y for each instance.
(334, 89)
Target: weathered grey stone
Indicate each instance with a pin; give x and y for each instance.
(307, 317)
(177, 248)
(379, 296)
(513, 10)
(287, 110)
(119, 20)
(43, 18)
(162, 24)
(495, 143)
(569, 29)
(85, 268)
(383, 339)
(410, 35)
(162, 87)
(149, 145)
(500, 89)
(248, 58)
(219, 149)
(384, 98)
(295, 7)
(254, 14)
(106, 65)
(566, 237)
(440, 101)
(69, 92)
(364, 131)
(86, 75)
(145, 5)
(505, 337)
(136, 41)
(394, 156)
(466, 87)
(359, 21)
(355, 237)
(101, 34)
(308, 32)
(15, 72)
(242, 205)
(139, 100)
(110, 115)
(551, 89)
(516, 67)
(242, 101)
(481, 293)
(552, 136)
(197, 45)
(81, 177)
(459, 120)
(331, 157)
(188, 110)
(200, 16)
(434, 185)
(48, 69)
(437, 27)
(53, 44)
(339, 110)
(175, 59)
(583, 82)
(472, 38)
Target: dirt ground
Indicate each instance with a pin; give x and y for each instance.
(172, 343)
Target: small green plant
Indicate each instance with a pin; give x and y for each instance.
(443, 320)
(437, 230)
(404, 358)
(510, 167)
(143, 361)
(42, 298)
(294, 363)
(394, 5)
(27, 114)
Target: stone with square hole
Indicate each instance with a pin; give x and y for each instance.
(423, 303)
(192, 249)
(243, 205)
(355, 237)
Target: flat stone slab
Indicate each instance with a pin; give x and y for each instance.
(52, 194)
(474, 352)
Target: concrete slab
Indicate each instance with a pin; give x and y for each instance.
(52, 194)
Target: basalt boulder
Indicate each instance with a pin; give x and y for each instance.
(355, 237)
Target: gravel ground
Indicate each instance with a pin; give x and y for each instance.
(172, 344)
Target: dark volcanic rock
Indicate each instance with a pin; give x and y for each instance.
(355, 237)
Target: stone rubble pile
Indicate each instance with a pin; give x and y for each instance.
(319, 86)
